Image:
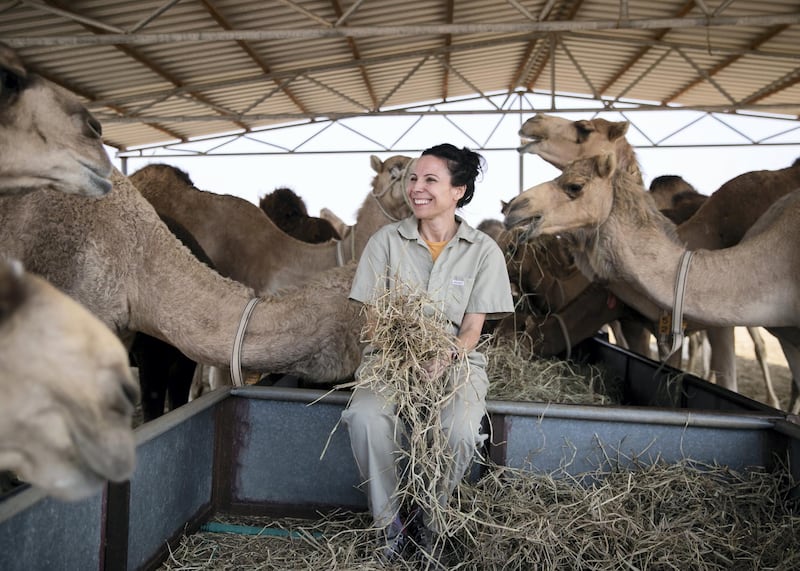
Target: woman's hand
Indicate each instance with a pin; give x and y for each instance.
(436, 367)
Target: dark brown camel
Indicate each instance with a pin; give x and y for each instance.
(289, 213)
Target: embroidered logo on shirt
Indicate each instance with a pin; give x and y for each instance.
(457, 282)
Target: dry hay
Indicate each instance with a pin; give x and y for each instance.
(658, 517)
(409, 333)
(516, 378)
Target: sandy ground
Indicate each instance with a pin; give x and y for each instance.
(751, 380)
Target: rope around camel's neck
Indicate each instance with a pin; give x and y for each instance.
(340, 254)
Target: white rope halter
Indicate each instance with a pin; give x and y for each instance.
(377, 196)
(236, 353)
(340, 250)
(389, 186)
(676, 327)
(565, 333)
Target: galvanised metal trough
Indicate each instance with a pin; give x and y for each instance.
(259, 451)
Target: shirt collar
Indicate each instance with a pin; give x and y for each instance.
(407, 228)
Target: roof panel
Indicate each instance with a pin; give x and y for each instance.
(290, 62)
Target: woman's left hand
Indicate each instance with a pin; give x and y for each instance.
(436, 367)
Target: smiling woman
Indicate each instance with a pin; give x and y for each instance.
(463, 272)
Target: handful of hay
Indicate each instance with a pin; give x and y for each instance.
(409, 334)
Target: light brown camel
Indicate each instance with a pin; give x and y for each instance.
(618, 235)
(718, 223)
(341, 227)
(247, 246)
(679, 201)
(68, 394)
(119, 259)
(47, 138)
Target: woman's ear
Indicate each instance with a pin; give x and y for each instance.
(460, 191)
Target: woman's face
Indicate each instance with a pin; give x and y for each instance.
(430, 191)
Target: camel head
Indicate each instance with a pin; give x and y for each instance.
(47, 138)
(581, 197)
(390, 183)
(67, 391)
(560, 141)
(669, 189)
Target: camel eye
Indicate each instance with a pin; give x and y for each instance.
(10, 83)
(573, 189)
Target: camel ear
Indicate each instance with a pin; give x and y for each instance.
(12, 291)
(375, 163)
(503, 206)
(605, 164)
(617, 130)
(10, 61)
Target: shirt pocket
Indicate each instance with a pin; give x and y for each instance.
(459, 290)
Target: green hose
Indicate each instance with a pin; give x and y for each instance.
(215, 527)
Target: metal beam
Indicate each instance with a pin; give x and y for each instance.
(761, 20)
(768, 110)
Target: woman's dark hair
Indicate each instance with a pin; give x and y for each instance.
(464, 165)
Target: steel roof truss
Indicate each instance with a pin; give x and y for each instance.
(706, 76)
(466, 82)
(152, 16)
(579, 68)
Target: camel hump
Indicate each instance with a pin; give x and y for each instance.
(283, 203)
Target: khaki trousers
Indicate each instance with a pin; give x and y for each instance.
(376, 435)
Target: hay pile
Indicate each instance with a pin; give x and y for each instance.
(516, 378)
(659, 517)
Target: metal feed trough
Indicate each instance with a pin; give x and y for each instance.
(256, 451)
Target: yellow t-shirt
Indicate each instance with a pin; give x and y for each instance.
(436, 248)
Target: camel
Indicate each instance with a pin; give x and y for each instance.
(252, 249)
(341, 227)
(68, 393)
(556, 306)
(492, 227)
(288, 211)
(618, 235)
(117, 257)
(163, 369)
(718, 223)
(675, 197)
(47, 138)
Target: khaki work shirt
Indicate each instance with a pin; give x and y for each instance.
(469, 276)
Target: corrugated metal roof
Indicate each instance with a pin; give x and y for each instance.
(157, 71)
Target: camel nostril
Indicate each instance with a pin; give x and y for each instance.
(130, 391)
(94, 128)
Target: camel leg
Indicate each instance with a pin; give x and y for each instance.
(163, 370)
(723, 356)
(791, 350)
(148, 353)
(619, 335)
(760, 349)
(637, 336)
(698, 363)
